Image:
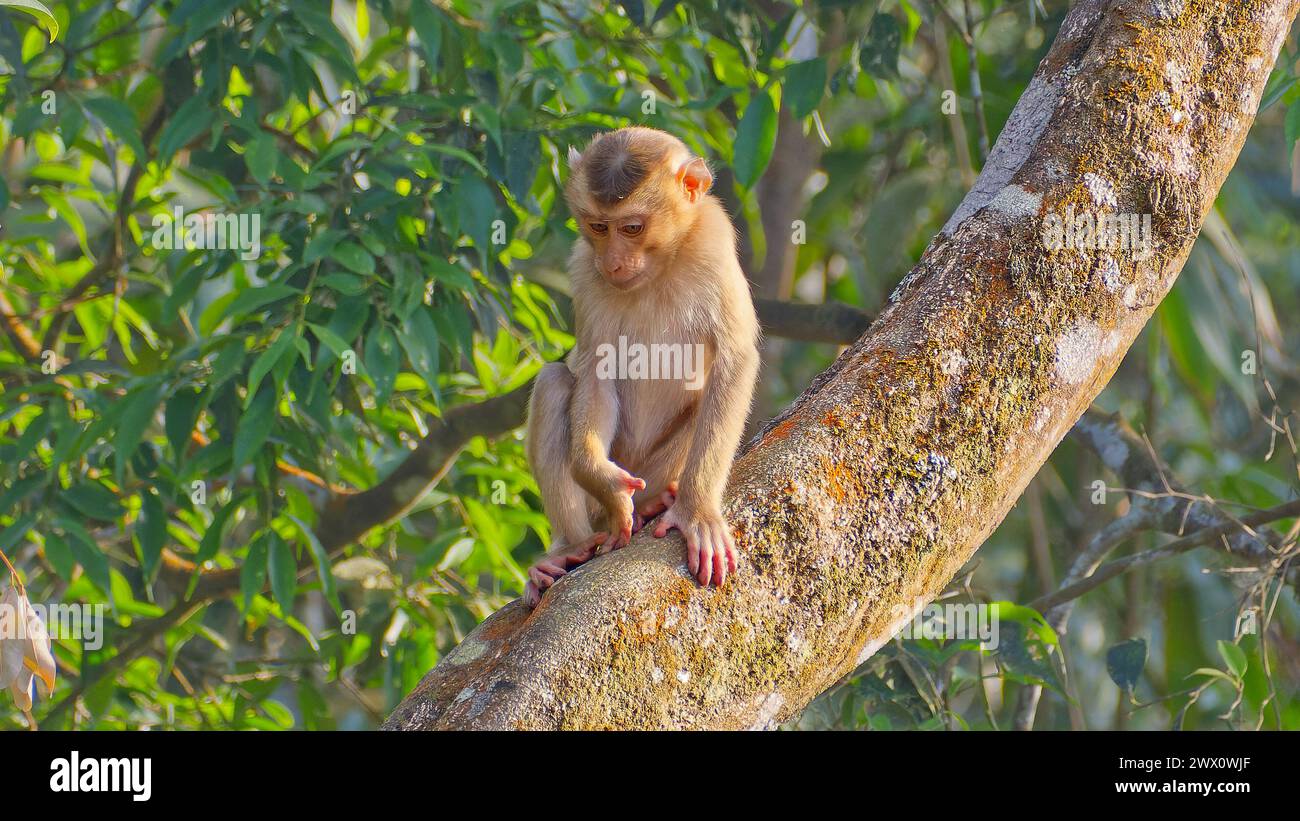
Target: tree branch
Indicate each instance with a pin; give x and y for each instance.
(1110, 570)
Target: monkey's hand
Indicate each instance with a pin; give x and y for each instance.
(619, 510)
(710, 550)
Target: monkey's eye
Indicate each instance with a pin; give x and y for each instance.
(633, 229)
(598, 227)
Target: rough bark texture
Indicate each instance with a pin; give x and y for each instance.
(859, 503)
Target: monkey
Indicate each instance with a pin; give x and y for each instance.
(654, 268)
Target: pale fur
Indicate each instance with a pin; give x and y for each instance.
(577, 421)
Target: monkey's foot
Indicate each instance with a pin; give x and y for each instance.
(556, 564)
(710, 550)
(654, 507)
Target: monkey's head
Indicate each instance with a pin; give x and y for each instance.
(635, 193)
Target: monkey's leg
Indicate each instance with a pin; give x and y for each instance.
(654, 506)
(547, 443)
(566, 504)
(661, 468)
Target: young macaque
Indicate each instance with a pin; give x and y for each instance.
(645, 417)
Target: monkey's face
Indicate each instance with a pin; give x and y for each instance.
(621, 252)
(634, 194)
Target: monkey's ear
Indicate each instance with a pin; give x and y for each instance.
(575, 157)
(695, 178)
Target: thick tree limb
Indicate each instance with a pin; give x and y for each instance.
(858, 504)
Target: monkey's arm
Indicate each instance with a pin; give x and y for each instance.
(697, 513)
(721, 422)
(593, 414)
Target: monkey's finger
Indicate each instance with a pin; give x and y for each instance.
(532, 596)
(586, 549)
(705, 562)
(552, 571)
(719, 560)
(632, 483)
(665, 524)
(539, 579)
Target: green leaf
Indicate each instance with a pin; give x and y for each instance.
(353, 256)
(321, 245)
(804, 85)
(20, 489)
(137, 413)
(261, 156)
(425, 21)
(14, 533)
(1028, 616)
(1234, 657)
(755, 138)
(151, 532)
(121, 121)
(1292, 124)
(59, 555)
(211, 541)
(252, 575)
(477, 210)
(268, 359)
(284, 572)
(37, 10)
(1125, 661)
(182, 414)
(250, 300)
(345, 283)
(93, 500)
(190, 120)
(59, 202)
(879, 53)
(87, 554)
(383, 358)
(321, 559)
(420, 340)
(255, 426)
(333, 343)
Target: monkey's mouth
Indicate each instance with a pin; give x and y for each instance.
(628, 282)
